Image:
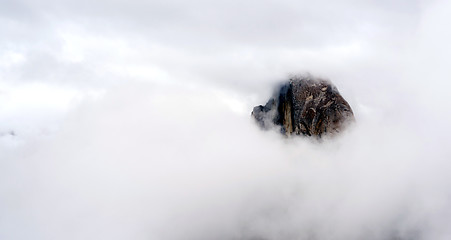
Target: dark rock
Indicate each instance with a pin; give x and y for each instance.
(305, 106)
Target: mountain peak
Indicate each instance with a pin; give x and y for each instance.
(305, 106)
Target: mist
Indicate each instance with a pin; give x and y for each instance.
(160, 163)
(132, 121)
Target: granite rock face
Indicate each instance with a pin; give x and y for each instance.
(305, 106)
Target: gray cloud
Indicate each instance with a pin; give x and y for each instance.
(224, 40)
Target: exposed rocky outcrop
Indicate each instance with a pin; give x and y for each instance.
(305, 106)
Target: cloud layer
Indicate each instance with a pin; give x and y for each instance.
(170, 163)
(153, 138)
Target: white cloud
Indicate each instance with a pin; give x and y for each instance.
(173, 163)
(163, 146)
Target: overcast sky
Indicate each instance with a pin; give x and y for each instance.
(131, 120)
(79, 48)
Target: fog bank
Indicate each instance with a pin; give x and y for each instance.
(160, 163)
(132, 121)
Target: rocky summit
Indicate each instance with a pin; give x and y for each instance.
(305, 106)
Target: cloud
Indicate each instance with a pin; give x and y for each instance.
(152, 162)
(168, 150)
(232, 43)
